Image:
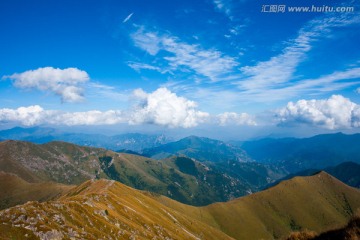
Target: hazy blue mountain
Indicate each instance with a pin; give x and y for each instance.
(317, 152)
(128, 141)
(199, 148)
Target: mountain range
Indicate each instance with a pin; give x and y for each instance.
(128, 141)
(295, 155)
(180, 178)
(193, 188)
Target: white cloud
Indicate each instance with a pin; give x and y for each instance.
(63, 82)
(128, 18)
(27, 116)
(165, 108)
(337, 112)
(209, 63)
(232, 118)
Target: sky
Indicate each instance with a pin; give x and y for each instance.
(229, 69)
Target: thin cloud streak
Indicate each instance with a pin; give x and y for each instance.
(128, 18)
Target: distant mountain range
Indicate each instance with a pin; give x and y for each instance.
(200, 148)
(104, 209)
(285, 155)
(294, 155)
(129, 141)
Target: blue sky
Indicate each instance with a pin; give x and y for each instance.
(209, 67)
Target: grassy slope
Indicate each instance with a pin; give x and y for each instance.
(15, 190)
(317, 203)
(103, 208)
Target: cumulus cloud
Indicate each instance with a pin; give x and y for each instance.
(63, 82)
(27, 116)
(165, 108)
(337, 112)
(232, 118)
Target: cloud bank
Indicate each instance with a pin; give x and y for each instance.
(63, 82)
(160, 107)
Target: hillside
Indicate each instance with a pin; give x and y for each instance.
(15, 190)
(317, 203)
(295, 155)
(71, 164)
(102, 209)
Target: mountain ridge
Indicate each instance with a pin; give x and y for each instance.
(118, 211)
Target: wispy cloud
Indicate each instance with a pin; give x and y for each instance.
(328, 83)
(281, 68)
(140, 66)
(96, 90)
(128, 18)
(223, 5)
(276, 78)
(210, 63)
